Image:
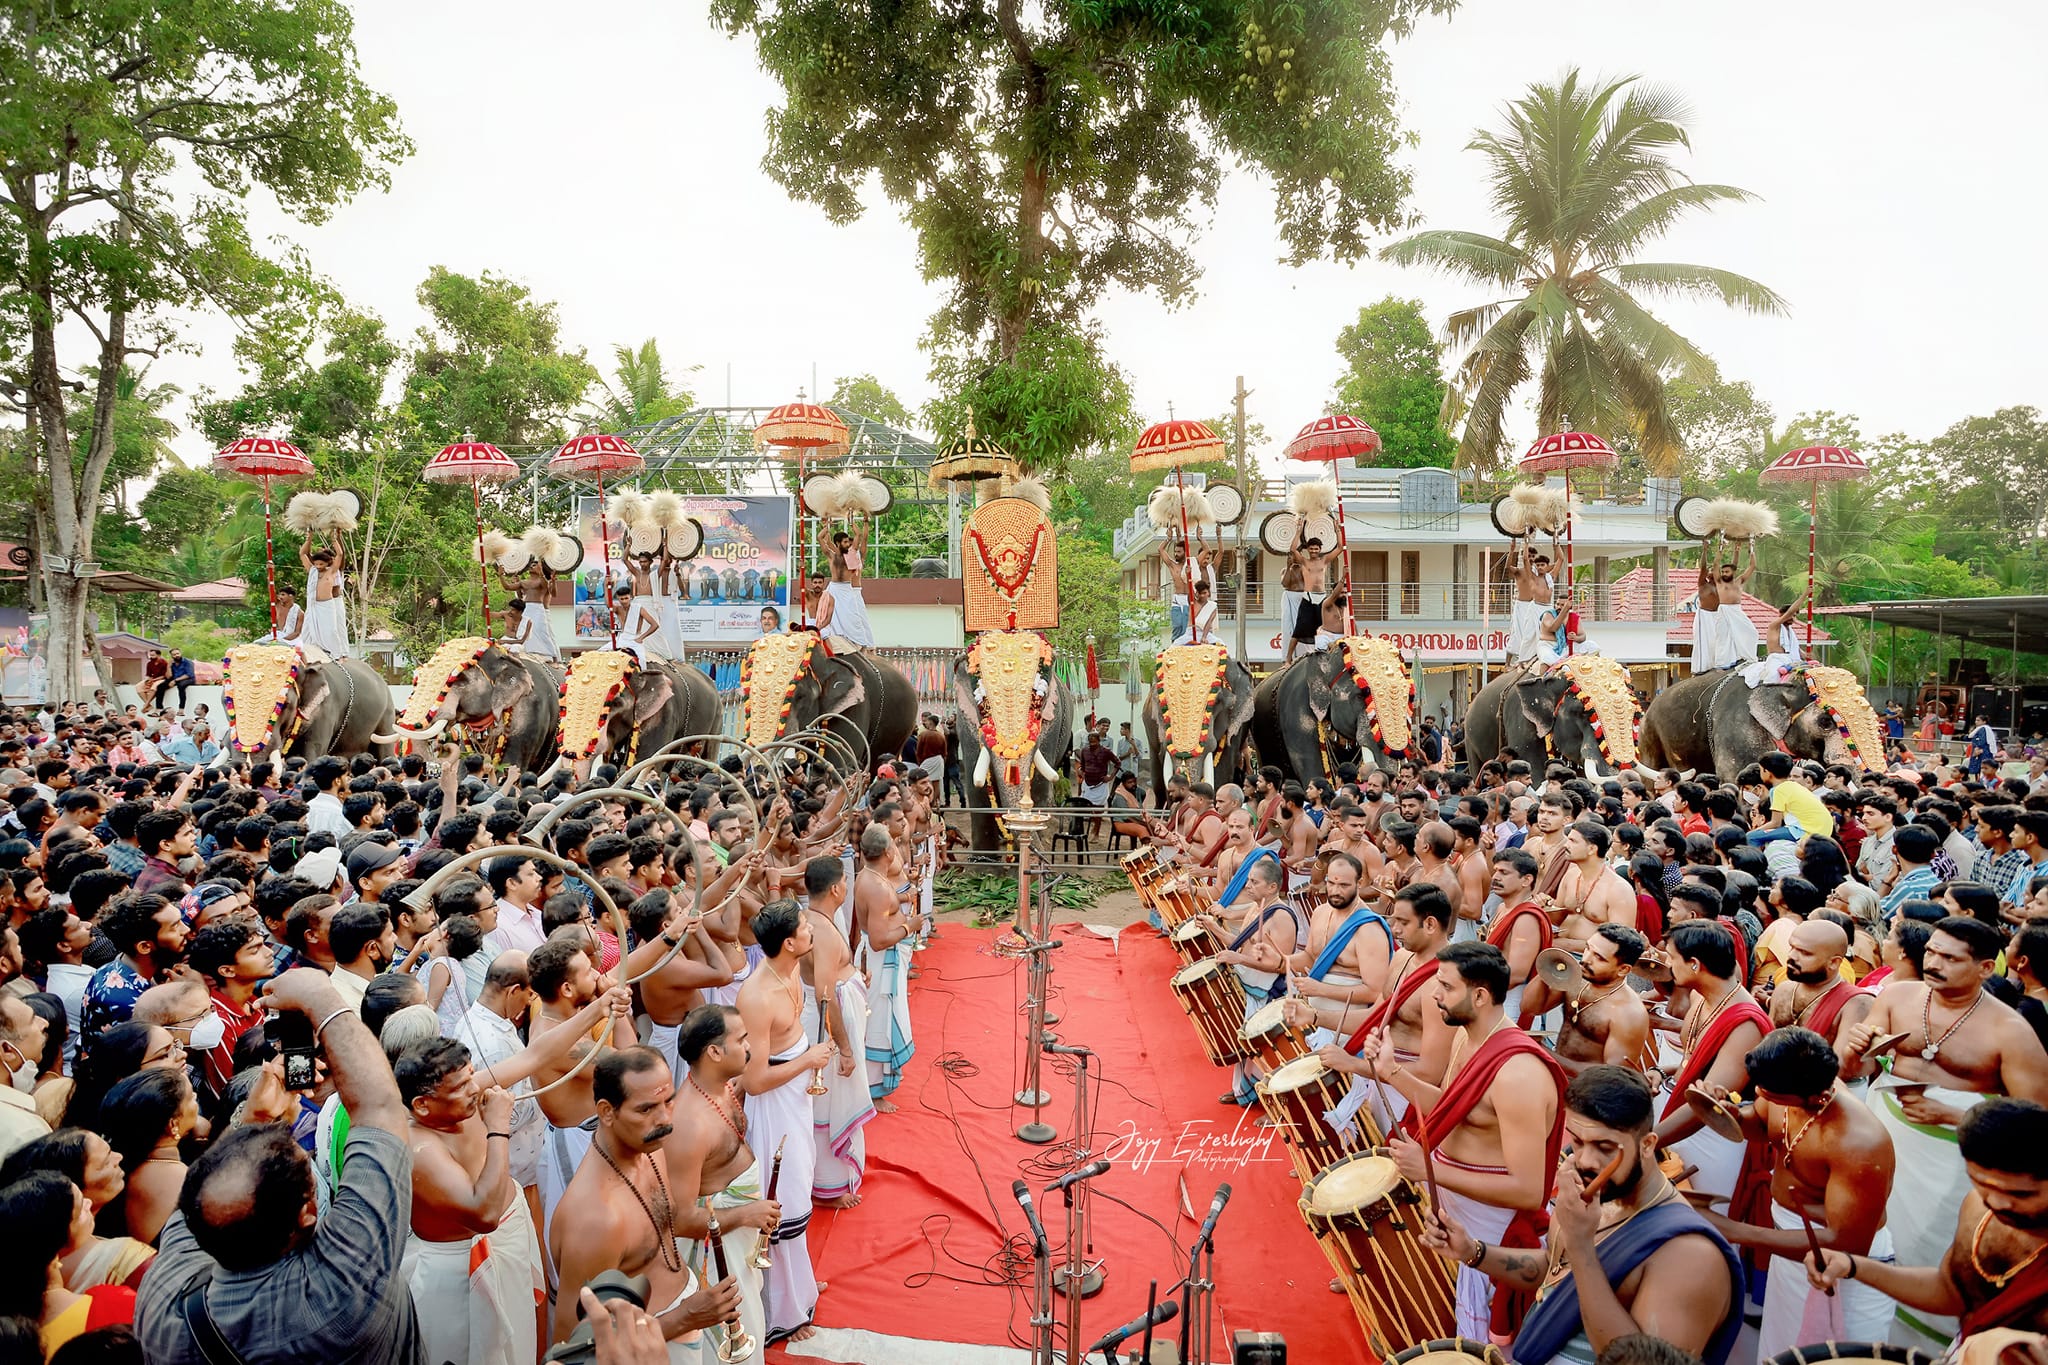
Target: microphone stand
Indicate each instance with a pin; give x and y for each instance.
(1077, 1278)
(1041, 1305)
(1198, 1294)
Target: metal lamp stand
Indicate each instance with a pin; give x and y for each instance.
(1025, 824)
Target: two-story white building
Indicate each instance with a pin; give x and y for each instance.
(1428, 569)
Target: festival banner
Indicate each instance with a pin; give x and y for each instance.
(742, 574)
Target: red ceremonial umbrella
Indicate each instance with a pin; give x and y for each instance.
(593, 457)
(475, 463)
(1814, 466)
(803, 428)
(264, 458)
(1562, 453)
(1328, 439)
(1175, 444)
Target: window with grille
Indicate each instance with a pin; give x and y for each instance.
(1411, 582)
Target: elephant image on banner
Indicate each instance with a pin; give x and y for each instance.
(1351, 702)
(791, 682)
(1016, 727)
(506, 703)
(1585, 715)
(279, 704)
(1197, 715)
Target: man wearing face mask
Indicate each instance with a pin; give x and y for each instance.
(23, 1035)
(1659, 1269)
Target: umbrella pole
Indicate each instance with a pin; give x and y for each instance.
(1812, 547)
(483, 573)
(1344, 546)
(604, 533)
(1565, 624)
(1187, 553)
(269, 559)
(796, 607)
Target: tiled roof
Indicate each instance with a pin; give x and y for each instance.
(1632, 603)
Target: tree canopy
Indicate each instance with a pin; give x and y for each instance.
(1393, 379)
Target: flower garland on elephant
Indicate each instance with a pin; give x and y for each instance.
(271, 669)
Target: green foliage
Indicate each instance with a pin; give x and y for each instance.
(201, 639)
(639, 391)
(1045, 156)
(1093, 601)
(1990, 474)
(992, 896)
(1393, 379)
(489, 365)
(1583, 177)
(1722, 423)
(870, 397)
(183, 508)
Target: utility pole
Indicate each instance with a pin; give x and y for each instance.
(1250, 497)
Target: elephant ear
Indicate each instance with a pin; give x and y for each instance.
(656, 690)
(315, 694)
(843, 684)
(1542, 717)
(1235, 705)
(1319, 676)
(1771, 711)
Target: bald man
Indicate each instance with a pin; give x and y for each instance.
(1814, 995)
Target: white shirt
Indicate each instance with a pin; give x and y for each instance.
(517, 928)
(324, 812)
(492, 1039)
(20, 1124)
(68, 981)
(349, 987)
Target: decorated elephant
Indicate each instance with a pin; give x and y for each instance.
(790, 682)
(1352, 702)
(1585, 714)
(504, 703)
(278, 703)
(615, 709)
(1198, 715)
(1716, 722)
(1016, 727)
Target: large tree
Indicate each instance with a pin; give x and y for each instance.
(1583, 180)
(134, 135)
(1046, 153)
(1393, 378)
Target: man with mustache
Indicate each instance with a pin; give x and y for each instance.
(1994, 1272)
(1605, 1021)
(1665, 1272)
(1813, 994)
(1961, 1046)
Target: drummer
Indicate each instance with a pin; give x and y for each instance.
(1679, 1281)
(1259, 945)
(1831, 1171)
(1350, 947)
(1605, 1022)
(1720, 1027)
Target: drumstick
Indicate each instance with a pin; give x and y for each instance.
(1436, 1200)
(1606, 1174)
(1813, 1243)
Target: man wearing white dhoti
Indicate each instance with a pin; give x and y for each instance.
(289, 619)
(1534, 592)
(878, 910)
(780, 1111)
(843, 613)
(472, 1256)
(844, 1110)
(325, 630)
(535, 631)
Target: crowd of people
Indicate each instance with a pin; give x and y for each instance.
(388, 1060)
(1849, 967)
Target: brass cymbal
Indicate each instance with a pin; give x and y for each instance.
(1560, 970)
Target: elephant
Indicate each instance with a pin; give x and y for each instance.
(657, 703)
(1221, 757)
(1312, 714)
(707, 586)
(338, 707)
(517, 694)
(1542, 719)
(1715, 722)
(732, 587)
(990, 782)
(794, 683)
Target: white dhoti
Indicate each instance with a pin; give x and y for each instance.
(477, 1295)
(1484, 1221)
(739, 1250)
(730, 994)
(1739, 635)
(845, 1108)
(644, 612)
(1719, 1160)
(692, 1347)
(849, 628)
(1796, 1314)
(782, 1119)
(1525, 622)
(561, 1152)
(663, 1039)
(888, 1043)
(1709, 649)
(326, 628)
(540, 633)
(1926, 1198)
(1374, 1105)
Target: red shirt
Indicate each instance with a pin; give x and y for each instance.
(220, 1059)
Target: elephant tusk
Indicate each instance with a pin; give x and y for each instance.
(432, 730)
(981, 770)
(1044, 768)
(385, 739)
(1209, 767)
(549, 775)
(1592, 769)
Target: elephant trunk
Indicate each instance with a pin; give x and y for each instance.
(432, 731)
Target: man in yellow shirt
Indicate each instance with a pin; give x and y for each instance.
(1795, 811)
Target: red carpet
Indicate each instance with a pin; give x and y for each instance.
(923, 1255)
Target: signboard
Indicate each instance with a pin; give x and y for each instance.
(743, 571)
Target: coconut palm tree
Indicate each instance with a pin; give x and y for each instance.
(1582, 176)
(639, 390)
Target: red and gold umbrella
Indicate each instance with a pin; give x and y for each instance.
(799, 430)
(264, 458)
(1814, 466)
(592, 457)
(1328, 439)
(475, 463)
(1175, 444)
(1561, 453)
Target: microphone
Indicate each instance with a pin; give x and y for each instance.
(1063, 1049)
(1162, 1311)
(1215, 1212)
(1023, 1193)
(1075, 1177)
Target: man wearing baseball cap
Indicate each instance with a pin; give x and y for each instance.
(372, 867)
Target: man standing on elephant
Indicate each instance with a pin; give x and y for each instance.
(1303, 584)
(1534, 589)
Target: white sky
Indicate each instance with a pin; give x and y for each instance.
(607, 154)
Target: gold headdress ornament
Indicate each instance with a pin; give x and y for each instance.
(254, 685)
(1602, 685)
(592, 684)
(768, 678)
(1837, 692)
(1376, 666)
(1011, 564)
(1187, 683)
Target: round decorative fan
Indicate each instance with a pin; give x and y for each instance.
(349, 500)
(567, 557)
(816, 492)
(1493, 511)
(1276, 532)
(685, 538)
(643, 538)
(877, 495)
(1227, 503)
(1686, 516)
